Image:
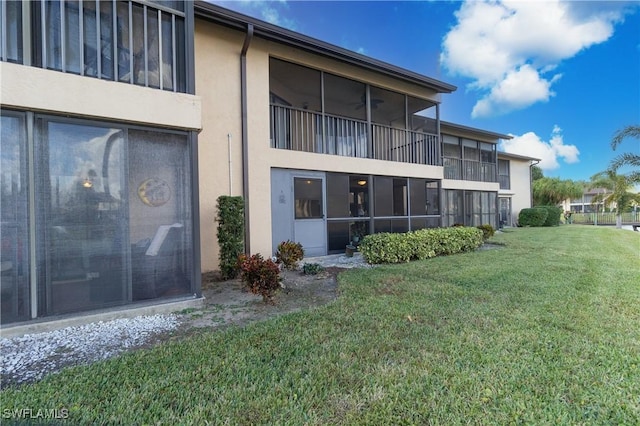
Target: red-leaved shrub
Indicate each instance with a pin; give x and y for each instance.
(262, 276)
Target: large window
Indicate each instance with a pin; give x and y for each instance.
(128, 41)
(503, 174)
(112, 215)
(115, 215)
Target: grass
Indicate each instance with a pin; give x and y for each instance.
(544, 330)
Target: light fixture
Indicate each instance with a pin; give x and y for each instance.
(362, 182)
(87, 183)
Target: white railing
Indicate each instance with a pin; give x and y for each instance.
(604, 218)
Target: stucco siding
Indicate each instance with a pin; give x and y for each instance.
(41, 90)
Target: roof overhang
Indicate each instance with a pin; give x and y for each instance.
(229, 18)
(517, 156)
(460, 128)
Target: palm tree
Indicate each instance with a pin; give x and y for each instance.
(553, 191)
(627, 158)
(618, 195)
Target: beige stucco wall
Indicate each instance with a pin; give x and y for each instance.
(217, 65)
(41, 90)
(218, 84)
(520, 191)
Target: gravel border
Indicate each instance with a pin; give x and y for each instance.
(30, 357)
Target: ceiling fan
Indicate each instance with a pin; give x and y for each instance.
(374, 102)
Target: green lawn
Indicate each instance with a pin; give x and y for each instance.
(544, 330)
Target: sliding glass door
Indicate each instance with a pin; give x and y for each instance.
(83, 215)
(14, 230)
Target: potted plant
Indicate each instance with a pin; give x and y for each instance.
(358, 231)
(350, 249)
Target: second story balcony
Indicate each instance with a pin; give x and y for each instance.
(319, 112)
(142, 42)
(458, 169)
(309, 131)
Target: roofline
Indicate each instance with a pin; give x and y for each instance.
(517, 156)
(229, 18)
(474, 130)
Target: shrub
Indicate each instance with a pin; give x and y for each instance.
(421, 244)
(532, 217)
(385, 247)
(553, 215)
(230, 234)
(289, 254)
(312, 268)
(262, 276)
(487, 231)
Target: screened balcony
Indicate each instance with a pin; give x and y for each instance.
(466, 159)
(136, 42)
(318, 112)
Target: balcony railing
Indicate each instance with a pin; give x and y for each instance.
(405, 146)
(452, 168)
(302, 130)
(455, 168)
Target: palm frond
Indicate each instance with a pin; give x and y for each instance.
(625, 159)
(627, 132)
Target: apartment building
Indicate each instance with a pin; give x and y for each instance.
(124, 121)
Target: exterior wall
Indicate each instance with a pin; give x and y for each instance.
(217, 66)
(470, 185)
(520, 192)
(24, 87)
(217, 52)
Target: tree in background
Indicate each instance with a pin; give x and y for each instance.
(536, 173)
(553, 191)
(618, 193)
(627, 158)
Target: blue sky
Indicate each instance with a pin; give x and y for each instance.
(559, 76)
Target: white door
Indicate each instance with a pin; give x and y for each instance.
(309, 214)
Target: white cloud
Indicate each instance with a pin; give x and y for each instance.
(510, 48)
(550, 152)
(267, 10)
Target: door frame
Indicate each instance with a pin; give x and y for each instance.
(299, 174)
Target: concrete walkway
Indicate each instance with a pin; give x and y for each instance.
(338, 260)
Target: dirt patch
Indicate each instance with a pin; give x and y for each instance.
(229, 303)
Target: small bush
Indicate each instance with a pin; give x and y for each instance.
(289, 254)
(553, 215)
(312, 268)
(421, 244)
(532, 217)
(262, 276)
(230, 234)
(488, 231)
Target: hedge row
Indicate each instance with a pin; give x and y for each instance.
(422, 244)
(540, 216)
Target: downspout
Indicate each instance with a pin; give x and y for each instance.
(245, 136)
(531, 180)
